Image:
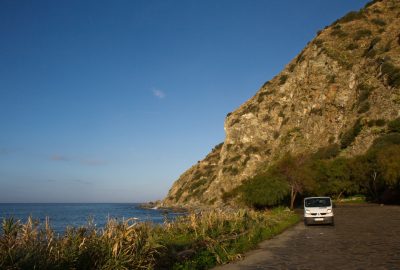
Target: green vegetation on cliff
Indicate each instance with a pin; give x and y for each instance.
(376, 174)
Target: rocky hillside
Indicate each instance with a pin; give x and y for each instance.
(348, 75)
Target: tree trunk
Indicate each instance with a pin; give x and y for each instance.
(293, 194)
(340, 195)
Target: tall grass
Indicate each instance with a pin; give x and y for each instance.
(195, 241)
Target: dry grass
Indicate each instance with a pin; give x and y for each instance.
(196, 241)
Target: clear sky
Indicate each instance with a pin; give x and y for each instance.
(110, 101)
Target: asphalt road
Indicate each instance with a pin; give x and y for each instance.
(364, 237)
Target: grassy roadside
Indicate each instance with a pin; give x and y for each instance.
(196, 241)
(356, 199)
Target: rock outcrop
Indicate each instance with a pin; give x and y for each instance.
(348, 74)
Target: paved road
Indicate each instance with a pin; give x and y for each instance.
(364, 237)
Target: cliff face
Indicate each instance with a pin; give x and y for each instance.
(348, 73)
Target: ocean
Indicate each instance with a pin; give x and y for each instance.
(62, 215)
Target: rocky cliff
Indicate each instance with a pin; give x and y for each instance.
(350, 73)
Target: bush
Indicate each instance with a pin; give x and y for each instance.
(327, 152)
(386, 140)
(364, 91)
(282, 79)
(338, 33)
(350, 135)
(371, 3)
(362, 33)
(316, 111)
(394, 125)
(265, 84)
(392, 73)
(338, 56)
(351, 16)
(370, 51)
(352, 46)
(331, 78)
(263, 191)
(378, 21)
(376, 122)
(364, 107)
(380, 122)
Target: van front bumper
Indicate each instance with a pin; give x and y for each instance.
(319, 220)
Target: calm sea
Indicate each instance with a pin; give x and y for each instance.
(62, 215)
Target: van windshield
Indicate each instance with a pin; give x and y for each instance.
(317, 202)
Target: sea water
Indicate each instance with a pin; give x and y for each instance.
(62, 215)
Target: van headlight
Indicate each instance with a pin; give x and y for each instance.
(329, 211)
(308, 212)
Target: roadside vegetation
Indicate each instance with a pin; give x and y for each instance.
(196, 241)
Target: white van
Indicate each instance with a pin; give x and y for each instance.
(318, 210)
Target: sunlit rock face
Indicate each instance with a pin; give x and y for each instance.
(346, 74)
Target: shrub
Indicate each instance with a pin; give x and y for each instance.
(351, 16)
(337, 26)
(370, 51)
(266, 83)
(380, 122)
(350, 135)
(352, 46)
(331, 78)
(378, 21)
(197, 184)
(387, 46)
(338, 33)
(338, 56)
(371, 3)
(392, 73)
(364, 107)
(362, 33)
(251, 150)
(394, 125)
(282, 79)
(376, 122)
(300, 57)
(327, 152)
(263, 94)
(364, 91)
(316, 111)
(386, 140)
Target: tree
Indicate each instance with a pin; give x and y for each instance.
(365, 172)
(263, 190)
(334, 177)
(388, 161)
(296, 172)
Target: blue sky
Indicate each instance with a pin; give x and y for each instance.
(110, 101)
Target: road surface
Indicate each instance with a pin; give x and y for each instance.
(364, 237)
